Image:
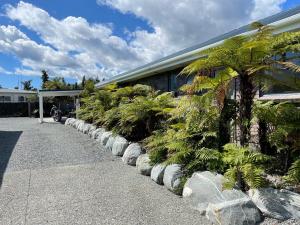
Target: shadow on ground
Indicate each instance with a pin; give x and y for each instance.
(8, 140)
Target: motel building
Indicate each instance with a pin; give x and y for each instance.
(162, 74)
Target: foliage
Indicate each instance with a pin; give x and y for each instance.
(57, 83)
(190, 137)
(132, 111)
(251, 59)
(246, 167)
(282, 121)
(45, 78)
(27, 85)
(293, 174)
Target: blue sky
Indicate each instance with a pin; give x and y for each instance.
(101, 38)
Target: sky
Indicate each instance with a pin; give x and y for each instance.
(102, 38)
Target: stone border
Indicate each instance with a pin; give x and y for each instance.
(204, 189)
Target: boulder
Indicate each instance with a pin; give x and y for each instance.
(237, 211)
(132, 152)
(172, 178)
(157, 173)
(278, 204)
(86, 128)
(98, 132)
(77, 123)
(143, 165)
(67, 122)
(92, 128)
(72, 122)
(80, 125)
(104, 137)
(110, 142)
(205, 193)
(119, 146)
(203, 188)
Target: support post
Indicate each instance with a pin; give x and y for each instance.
(77, 106)
(41, 108)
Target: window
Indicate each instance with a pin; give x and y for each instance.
(285, 76)
(5, 99)
(21, 99)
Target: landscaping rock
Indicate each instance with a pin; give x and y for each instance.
(132, 152)
(86, 128)
(92, 128)
(80, 125)
(104, 137)
(67, 122)
(110, 142)
(119, 146)
(278, 204)
(97, 133)
(72, 122)
(204, 191)
(157, 173)
(238, 211)
(203, 188)
(143, 165)
(172, 178)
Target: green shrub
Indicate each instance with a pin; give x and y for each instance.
(246, 167)
(293, 174)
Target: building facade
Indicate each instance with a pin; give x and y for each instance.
(163, 73)
(15, 95)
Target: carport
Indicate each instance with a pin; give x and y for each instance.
(56, 93)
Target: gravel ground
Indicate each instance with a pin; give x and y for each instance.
(52, 174)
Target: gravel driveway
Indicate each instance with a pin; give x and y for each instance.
(52, 174)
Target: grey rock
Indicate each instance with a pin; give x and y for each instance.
(238, 211)
(92, 128)
(110, 142)
(132, 152)
(143, 165)
(104, 137)
(157, 173)
(80, 125)
(72, 122)
(86, 128)
(172, 178)
(277, 204)
(97, 133)
(203, 188)
(119, 146)
(67, 122)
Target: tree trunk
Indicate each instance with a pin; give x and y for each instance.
(246, 101)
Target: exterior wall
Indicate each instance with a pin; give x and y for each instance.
(166, 81)
(14, 97)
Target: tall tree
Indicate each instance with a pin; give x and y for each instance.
(27, 85)
(45, 78)
(251, 60)
(83, 82)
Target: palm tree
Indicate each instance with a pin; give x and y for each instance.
(27, 85)
(251, 60)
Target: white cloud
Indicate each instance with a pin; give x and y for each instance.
(74, 47)
(264, 8)
(4, 71)
(182, 23)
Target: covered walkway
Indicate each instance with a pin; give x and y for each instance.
(58, 93)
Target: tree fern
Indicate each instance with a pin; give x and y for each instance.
(293, 174)
(246, 167)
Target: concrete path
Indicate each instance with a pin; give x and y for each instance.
(52, 174)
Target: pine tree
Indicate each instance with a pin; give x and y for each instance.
(45, 78)
(83, 82)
